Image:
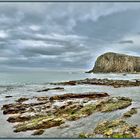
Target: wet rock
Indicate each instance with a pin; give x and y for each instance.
(8, 96)
(91, 95)
(137, 134)
(45, 98)
(20, 107)
(47, 89)
(114, 104)
(113, 129)
(68, 109)
(75, 111)
(39, 123)
(54, 111)
(71, 83)
(22, 118)
(131, 112)
(20, 100)
(14, 108)
(83, 112)
(106, 82)
(83, 135)
(88, 135)
(116, 129)
(38, 103)
(57, 105)
(38, 132)
(16, 118)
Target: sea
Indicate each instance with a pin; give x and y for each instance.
(41, 77)
(26, 84)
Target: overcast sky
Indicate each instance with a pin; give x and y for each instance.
(66, 35)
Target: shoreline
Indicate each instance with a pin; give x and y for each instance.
(59, 91)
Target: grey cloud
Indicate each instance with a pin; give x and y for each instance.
(65, 34)
(111, 27)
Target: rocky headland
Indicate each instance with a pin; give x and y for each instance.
(115, 62)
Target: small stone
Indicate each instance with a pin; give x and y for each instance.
(63, 126)
(38, 132)
(114, 100)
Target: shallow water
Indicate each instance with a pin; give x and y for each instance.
(28, 89)
(21, 78)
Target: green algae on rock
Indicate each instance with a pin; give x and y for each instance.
(117, 129)
(84, 135)
(56, 110)
(114, 103)
(113, 129)
(76, 111)
(22, 118)
(83, 112)
(39, 123)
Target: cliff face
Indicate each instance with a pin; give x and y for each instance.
(114, 62)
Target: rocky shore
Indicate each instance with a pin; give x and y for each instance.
(117, 128)
(105, 82)
(39, 113)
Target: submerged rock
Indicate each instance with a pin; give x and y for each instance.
(115, 62)
(8, 96)
(47, 89)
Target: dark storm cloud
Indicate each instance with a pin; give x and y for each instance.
(66, 35)
(126, 42)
